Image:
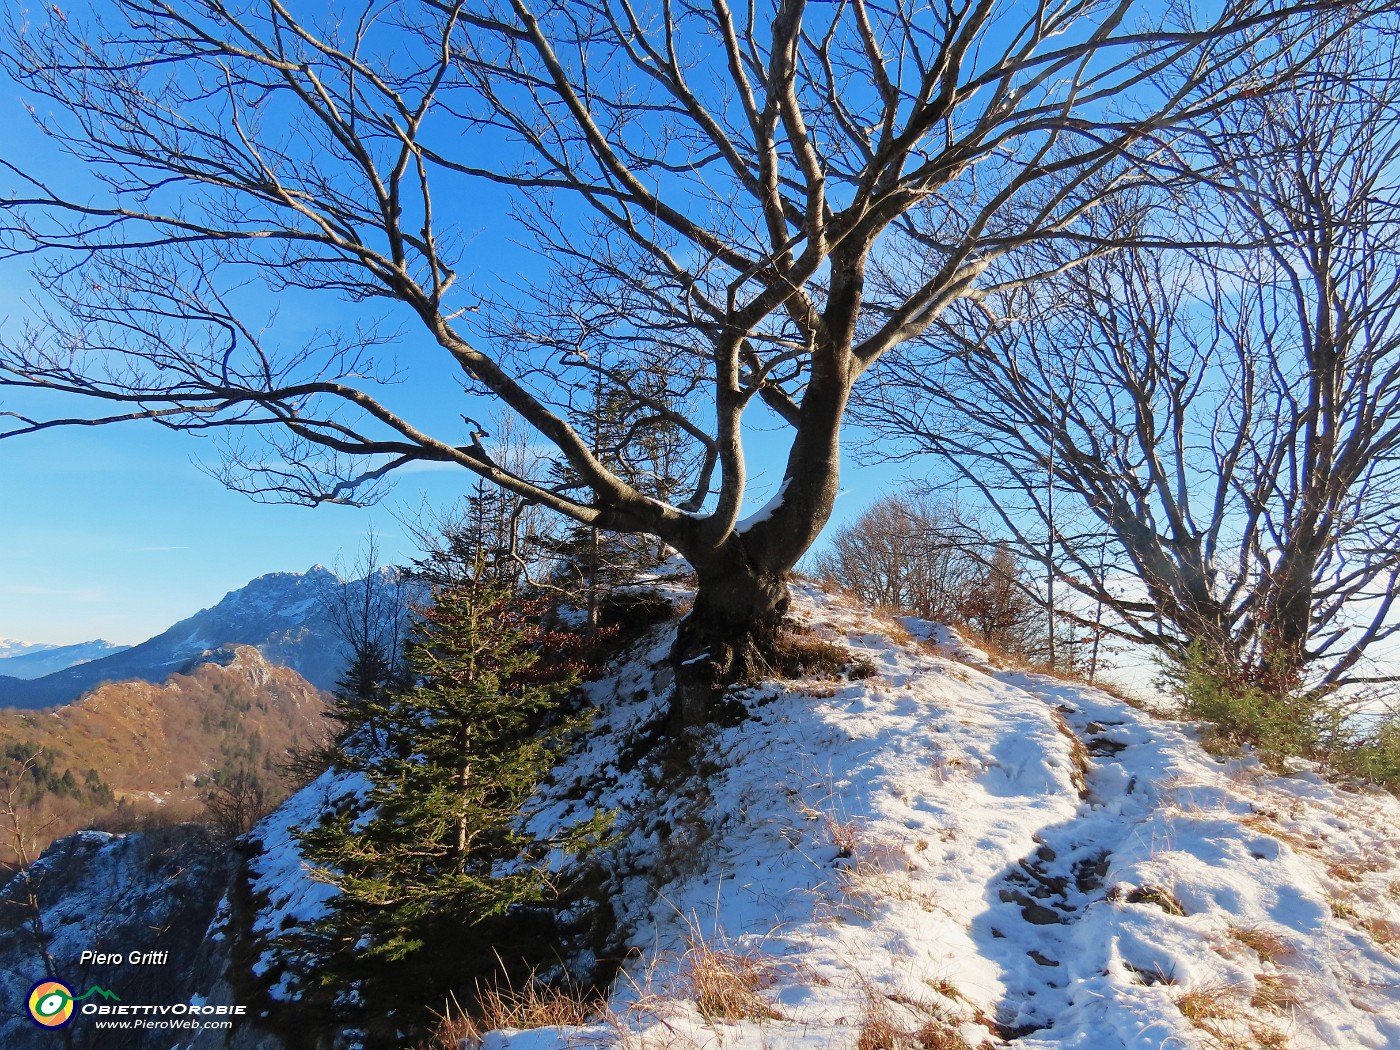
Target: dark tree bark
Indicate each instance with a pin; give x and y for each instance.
(710, 189)
(1218, 414)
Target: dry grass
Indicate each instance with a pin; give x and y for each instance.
(1162, 898)
(1268, 946)
(887, 620)
(453, 1030)
(865, 885)
(881, 1029)
(944, 987)
(1260, 822)
(1272, 992)
(1004, 659)
(1207, 1002)
(1344, 909)
(999, 658)
(1079, 755)
(1269, 1039)
(1352, 871)
(861, 668)
(797, 654)
(844, 834)
(1384, 932)
(534, 1006)
(1209, 1007)
(724, 983)
(1215, 1010)
(939, 1035)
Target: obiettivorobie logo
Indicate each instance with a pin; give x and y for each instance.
(53, 1005)
(51, 1002)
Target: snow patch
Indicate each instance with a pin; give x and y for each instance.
(1005, 854)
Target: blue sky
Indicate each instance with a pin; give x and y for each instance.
(116, 532)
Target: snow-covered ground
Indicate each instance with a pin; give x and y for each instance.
(945, 854)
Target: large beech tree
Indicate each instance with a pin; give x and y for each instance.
(739, 210)
(1205, 441)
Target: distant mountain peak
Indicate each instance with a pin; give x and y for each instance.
(14, 647)
(42, 660)
(287, 616)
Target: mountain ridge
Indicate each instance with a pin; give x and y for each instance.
(11, 647)
(41, 659)
(287, 616)
(132, 747)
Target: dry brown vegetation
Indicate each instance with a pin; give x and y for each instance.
(1270, 947)
(1215, 1010)
(882, 1029)
(1273, 992)
(534, 1006)
(142, 754)
(1384, 932)
(799, 654)
(724, 983)
(1162, 898)
(1263, 823)
(1353, 870)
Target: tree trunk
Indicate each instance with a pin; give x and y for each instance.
(730, 631)
(743, 592)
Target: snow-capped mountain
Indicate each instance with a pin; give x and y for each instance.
(286, 615)
(13, 647)
(38, 660)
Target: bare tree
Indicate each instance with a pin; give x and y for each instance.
(921, 556)
(1223, 423)
(21, 838)
(369, 611)
(716, 192)
(912, 554)
(236, 802)
(493, 532)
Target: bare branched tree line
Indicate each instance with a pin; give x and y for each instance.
(741, 211)
(918, 555)
(1203, 434)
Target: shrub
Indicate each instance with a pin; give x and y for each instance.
(237, 801)
(1375, 754)
(633, 612)
(1278, 723)
(1282, 721)
(799, 656)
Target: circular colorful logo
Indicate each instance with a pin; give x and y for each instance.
(51, 1004)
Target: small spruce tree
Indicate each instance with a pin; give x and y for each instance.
(435, 857)
(632, 431)
(360, 704)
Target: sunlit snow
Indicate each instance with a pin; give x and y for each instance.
(997, 852)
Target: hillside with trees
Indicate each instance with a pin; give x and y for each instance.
(1117, 282)
(133, 753)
